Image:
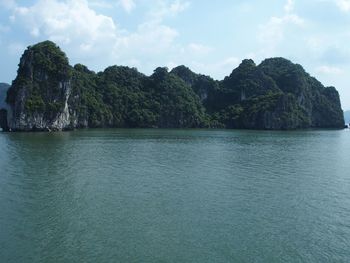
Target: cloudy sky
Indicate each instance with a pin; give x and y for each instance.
(210, 37)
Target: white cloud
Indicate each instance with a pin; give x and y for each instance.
(178, 6)
(97, 40)
(329, 70)
(199, 49)
(163, 9)
(149, 39)
(343, 5)
(128, 5)
(71, 21)
(100, 4)
(289, 6)
(35, 32)
(273, 32)
(275, 28)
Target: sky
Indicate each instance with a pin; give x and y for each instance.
(210, 37)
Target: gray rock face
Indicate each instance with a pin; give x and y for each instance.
(21, 119)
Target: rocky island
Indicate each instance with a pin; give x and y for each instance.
(50, 95)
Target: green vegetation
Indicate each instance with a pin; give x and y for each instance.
(123, 97)
(276, 94)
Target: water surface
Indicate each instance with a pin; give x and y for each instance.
(175, 196)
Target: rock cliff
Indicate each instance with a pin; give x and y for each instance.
(39, 95)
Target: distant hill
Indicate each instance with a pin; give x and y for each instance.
(49, 94)
(347, 116)
(3, 91)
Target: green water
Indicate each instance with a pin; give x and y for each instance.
(175, 196)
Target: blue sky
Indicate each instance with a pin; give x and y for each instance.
(211, 37)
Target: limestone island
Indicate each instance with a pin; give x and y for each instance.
(49, 94)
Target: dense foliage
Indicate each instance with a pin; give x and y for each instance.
(276, 94)
(123, 97)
